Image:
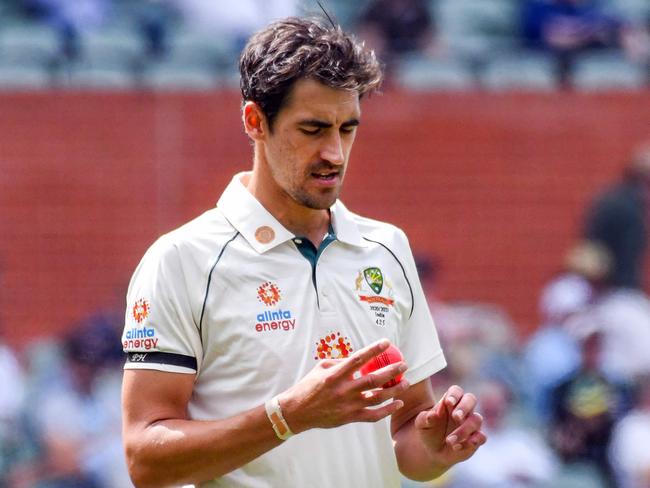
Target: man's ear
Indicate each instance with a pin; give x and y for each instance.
(254, 121)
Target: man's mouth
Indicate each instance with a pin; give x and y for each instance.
(326, 175)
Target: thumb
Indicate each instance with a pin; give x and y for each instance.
(431, 418)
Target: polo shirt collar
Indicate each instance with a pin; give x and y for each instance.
(263, 231)
(345, 226)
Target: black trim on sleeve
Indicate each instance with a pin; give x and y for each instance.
(207, 288)
(403, 271)
(162, 358)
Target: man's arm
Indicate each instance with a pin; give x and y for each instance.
(430, 438)
(164, 447)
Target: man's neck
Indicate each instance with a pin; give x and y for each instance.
(298, 219)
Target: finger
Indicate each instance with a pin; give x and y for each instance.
(465, 431)
(379, 396)
(361, 357)
(452, 396)
(428, 419)
(477, 439)
(373, 414)
(464, 408)
(377, 379)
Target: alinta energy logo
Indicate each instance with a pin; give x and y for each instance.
(140, 338)
(141, 309)
(279, 319)
(333, 346)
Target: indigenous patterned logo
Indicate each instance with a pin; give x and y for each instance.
(141, 310)
(333, 346)
(269, 294)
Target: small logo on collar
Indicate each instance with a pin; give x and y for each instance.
(264, 234)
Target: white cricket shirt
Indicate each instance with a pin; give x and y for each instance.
(248, 307)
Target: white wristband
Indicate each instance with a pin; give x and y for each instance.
(274, 413)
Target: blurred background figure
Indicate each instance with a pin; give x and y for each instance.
(552, 353)
(629, 451)
(397, 28)
(70, 20)
(72, 415)
(518, 456)
(585, 409)
(12, 396)
(617, 219)
(568, 29)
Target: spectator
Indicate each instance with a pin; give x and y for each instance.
(398, 27)
(235, 21)
(70, 19)
(629, 441)
(517, 457)
(552, 353)
(568, 28)
(586, 407)
(621, 315)
(617, 220)
(12, 394)
(76, 417)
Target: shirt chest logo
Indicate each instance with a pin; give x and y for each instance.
(376, 293)
(271, 318)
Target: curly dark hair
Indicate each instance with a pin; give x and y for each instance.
(295, 48)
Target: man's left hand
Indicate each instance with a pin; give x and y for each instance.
(450, 430)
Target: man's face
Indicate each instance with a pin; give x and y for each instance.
(307, 152)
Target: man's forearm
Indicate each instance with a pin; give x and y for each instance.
(176, 451)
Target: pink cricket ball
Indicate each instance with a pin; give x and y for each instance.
(389, 356)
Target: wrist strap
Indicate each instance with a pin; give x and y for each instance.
(274, 413)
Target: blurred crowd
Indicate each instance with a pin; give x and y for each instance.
(567, 406)
(424, 43)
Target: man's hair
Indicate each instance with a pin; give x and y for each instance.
(297, 48)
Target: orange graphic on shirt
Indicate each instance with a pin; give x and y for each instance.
(333, 346)
(141, 310)
(268, 293)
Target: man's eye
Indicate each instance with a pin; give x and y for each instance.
(347, 130)
(310, 132)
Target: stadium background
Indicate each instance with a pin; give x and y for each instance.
(489, 179)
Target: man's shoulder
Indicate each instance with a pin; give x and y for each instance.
(379, 231)
(204, 234)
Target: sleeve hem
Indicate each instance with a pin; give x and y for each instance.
(168, 368)
(427, 369)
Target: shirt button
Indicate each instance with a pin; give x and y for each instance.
(298, 241)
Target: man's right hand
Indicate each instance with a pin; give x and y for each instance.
(330, 395)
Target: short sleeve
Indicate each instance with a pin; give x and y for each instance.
(418, 338)
(161, 330)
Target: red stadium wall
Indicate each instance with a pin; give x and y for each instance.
(492, 184)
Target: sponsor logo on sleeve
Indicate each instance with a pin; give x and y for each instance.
(376, 292)
(140, 338)
(271, 318)
(141, 309)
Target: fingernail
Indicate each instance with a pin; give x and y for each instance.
(403, 367)
(451, 400)
(457, 447)
(459, 414)
(405, 384)
(452, 439)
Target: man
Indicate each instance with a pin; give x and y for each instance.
(246, 327)
(617, 220)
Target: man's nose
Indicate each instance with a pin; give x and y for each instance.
(332, 149)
